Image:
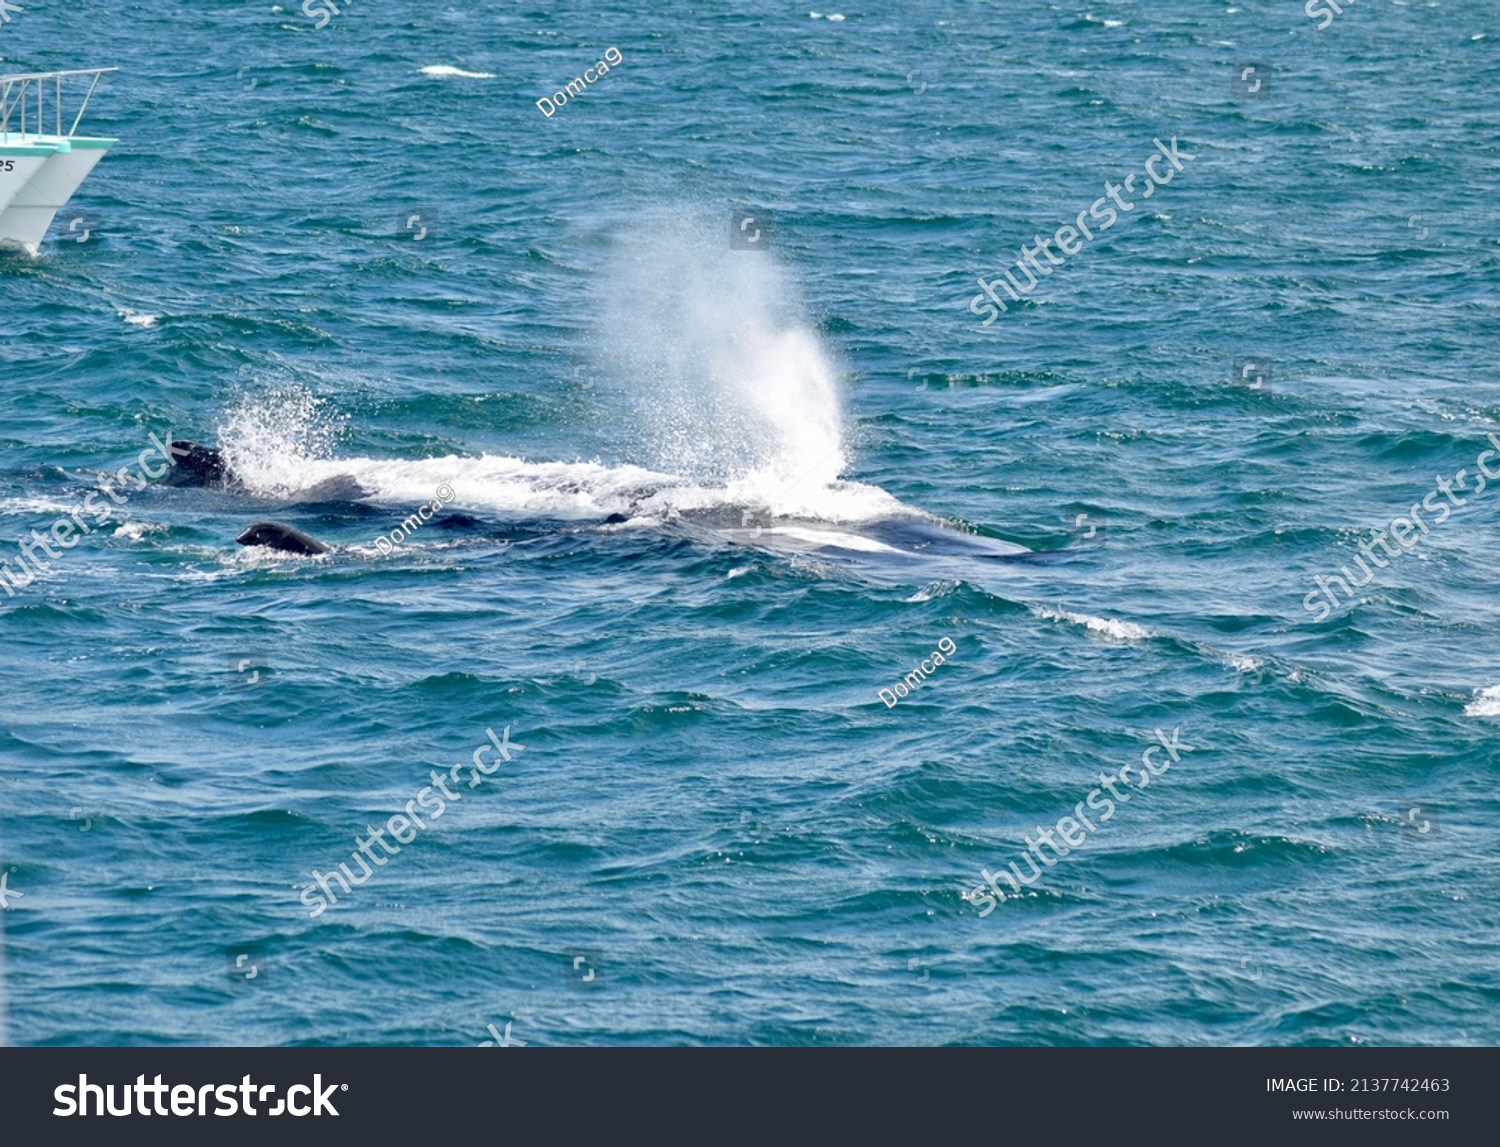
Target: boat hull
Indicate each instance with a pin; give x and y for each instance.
(24, 221)
(19, 164)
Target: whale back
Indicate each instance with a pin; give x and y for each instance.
(276, 536)
(196, 465)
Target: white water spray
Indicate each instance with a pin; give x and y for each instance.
(729, 387)
(270, 439)
(734, 402)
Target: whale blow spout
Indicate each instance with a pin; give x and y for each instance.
(275, 536)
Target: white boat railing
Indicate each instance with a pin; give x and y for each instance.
(16, 101)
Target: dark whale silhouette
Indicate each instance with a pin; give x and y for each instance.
(198, 466)
(204, 467)
(207, 467)
(289, 539)
(276, 536)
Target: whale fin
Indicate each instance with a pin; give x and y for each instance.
(274, 535)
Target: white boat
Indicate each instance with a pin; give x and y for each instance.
(41, 170)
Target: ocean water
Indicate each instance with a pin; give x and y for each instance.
(362, 252)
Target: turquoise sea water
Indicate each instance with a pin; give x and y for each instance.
(821, 457)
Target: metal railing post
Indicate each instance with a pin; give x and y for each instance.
(99, 75)
(21, 83)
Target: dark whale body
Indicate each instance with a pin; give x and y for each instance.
(198, 466)
(204, 467)
(275, 536)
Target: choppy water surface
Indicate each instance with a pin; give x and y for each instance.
(711, 497)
